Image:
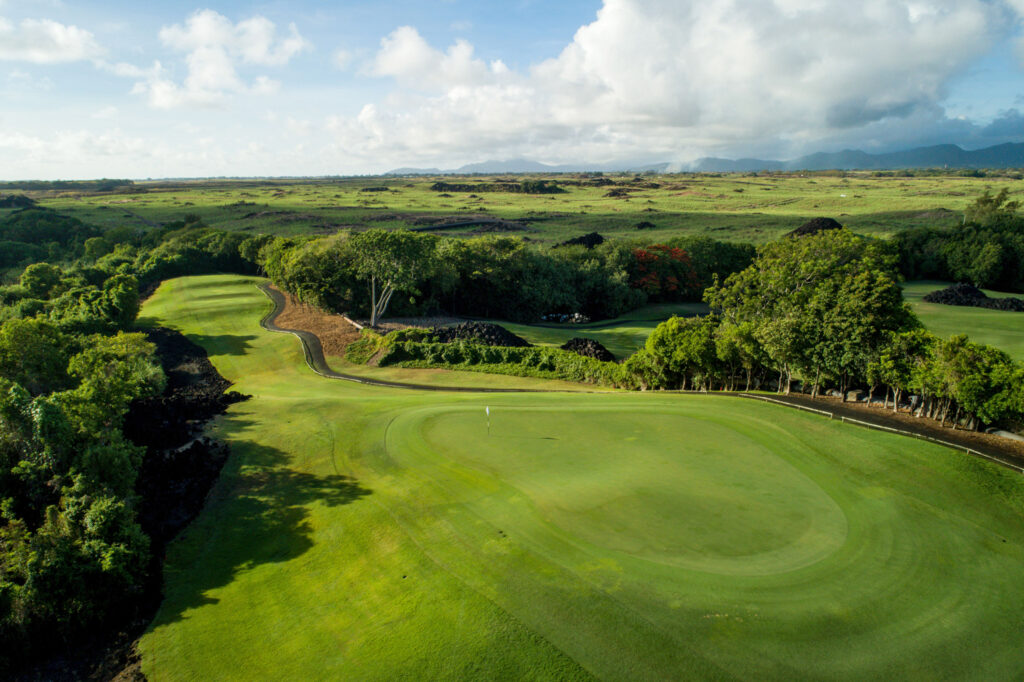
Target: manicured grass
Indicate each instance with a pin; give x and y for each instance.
(999, 328)
(365, 533)
(623, 335)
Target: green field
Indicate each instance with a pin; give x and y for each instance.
(622, 335)
(999, 328)
(367, 533)
(732, 207)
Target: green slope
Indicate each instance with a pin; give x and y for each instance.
(365, 533)
(999, 328)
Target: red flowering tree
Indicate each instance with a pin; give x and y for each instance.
(664, 273)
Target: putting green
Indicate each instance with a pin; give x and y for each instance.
(651, 483)
(379, 534)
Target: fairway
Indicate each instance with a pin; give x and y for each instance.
(622, 336)
(370, 533)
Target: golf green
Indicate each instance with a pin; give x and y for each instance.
(656, 489)
(370, 533)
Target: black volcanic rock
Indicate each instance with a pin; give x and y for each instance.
(479, 332)
(589, 348)
(588, 240)
(815, 226)
(967, 295)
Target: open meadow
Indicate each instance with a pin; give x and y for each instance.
(371, 533)
(734, 207)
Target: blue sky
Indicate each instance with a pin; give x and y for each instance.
(177, 89)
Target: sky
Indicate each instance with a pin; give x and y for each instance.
(109, 88)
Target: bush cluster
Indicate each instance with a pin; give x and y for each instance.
(549, 363)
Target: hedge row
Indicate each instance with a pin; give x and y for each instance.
(548, 363)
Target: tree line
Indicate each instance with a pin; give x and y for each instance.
(493, 277)
(987, 250)
(826, 311)
(73, 556)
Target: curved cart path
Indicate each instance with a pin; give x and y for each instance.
(314, 353)
(991, 448)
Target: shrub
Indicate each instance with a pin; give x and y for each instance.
(369, 343)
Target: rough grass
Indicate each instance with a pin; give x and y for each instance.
(999, 328)
(731, 207)
(365, 533)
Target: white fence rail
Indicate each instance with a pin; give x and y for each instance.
(831, 415)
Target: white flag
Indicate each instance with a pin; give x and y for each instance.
(488, 410)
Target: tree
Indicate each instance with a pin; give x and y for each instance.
(989, 209)
(664, 273)
(34, 354)
(114, 371)
(96, 248)
(685, 348)
(736, 345)
(392, 260)
(40, 279)
(819, 304)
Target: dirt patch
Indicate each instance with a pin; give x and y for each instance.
(394, 323)
(334, 332)
(983, 442)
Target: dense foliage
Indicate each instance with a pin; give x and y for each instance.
(827, 308)
(987, 250)
(73, 556)
(496, 277)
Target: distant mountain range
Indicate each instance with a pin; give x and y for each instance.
(528, 166)
(1009, 155)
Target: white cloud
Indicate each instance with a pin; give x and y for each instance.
(214, 48)
(254, 40)
(406, 56)
(42, 41)
(677, 78)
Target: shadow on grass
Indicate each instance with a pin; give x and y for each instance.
(224, 344)
(259, 514)
(148, 322)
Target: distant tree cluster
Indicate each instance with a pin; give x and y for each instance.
(493, 277)
(524, 187)
(827, 308)
(987, 250)
(102, 185)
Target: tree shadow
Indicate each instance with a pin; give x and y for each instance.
(258, 515)
(223, 344)
(213, 344)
